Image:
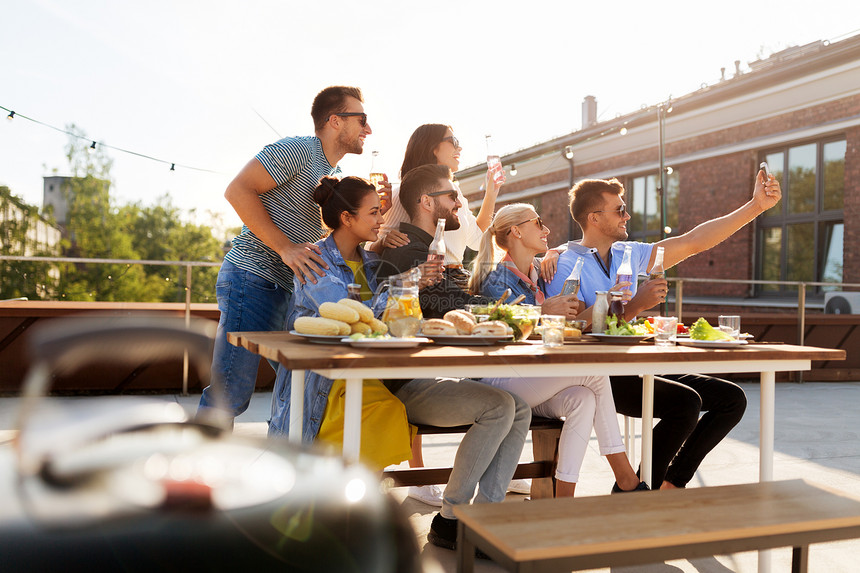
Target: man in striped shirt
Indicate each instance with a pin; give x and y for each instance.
(272, 195)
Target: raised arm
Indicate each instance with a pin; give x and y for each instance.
(711, 233)
(243, 193)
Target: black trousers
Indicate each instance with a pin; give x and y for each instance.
(681, 438)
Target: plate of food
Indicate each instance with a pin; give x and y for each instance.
(469, 339)
(621, 338)
(457, 329)
(385, 341)
(710, 343)
(320, 338)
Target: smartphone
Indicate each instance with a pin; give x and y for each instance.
(764, 168)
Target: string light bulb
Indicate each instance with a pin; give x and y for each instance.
(669, 170)
(11, 116)
(173, 167)
(568, 152)
(92, 147)
(513, 170)
(623, 131)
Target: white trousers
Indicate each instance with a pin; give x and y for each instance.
(584, 402)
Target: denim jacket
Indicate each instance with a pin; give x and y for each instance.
(502, 278)
(306, 299)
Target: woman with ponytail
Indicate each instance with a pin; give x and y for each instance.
(582, 401)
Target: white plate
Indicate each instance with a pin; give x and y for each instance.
(320, 338)
(468, 340)
(385, 342)
(621, 338)
(711, 343)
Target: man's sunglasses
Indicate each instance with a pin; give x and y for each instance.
(621, 210)
(538, 219)
(362, 117)
(454, 141)
(451, 192)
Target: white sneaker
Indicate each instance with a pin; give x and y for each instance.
(520, 486)
(429, 494)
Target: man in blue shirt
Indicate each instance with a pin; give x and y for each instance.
(681, 439)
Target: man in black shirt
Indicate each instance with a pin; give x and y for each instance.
(428, 194)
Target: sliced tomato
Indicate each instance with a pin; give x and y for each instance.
(683, 329)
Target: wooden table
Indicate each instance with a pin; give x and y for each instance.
(648, 527)
(525, 359)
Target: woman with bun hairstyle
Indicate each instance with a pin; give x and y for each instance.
(583, 401)
(350, 208)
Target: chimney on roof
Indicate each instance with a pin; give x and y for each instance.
(589, 111)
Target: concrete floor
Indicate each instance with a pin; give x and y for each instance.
(817, 439)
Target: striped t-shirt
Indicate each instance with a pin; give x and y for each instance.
(296, 164)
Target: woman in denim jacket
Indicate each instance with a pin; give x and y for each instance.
(583, 401)
(351, 208)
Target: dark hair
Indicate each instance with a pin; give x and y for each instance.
(420, 181)
(334, 196)
(419, 150)
(587, 197)
(330, 101)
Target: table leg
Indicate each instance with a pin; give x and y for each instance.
(800, 559)
(352, 420)
(465, 551)
(647, 427)
(766, 433)
(297, 405)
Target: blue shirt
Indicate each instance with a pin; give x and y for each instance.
(595, 276)
(502, 278)
(296, 164)
(306, 298)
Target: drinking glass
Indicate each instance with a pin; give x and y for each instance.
(731, 325)
(553, 330)
(665, 328)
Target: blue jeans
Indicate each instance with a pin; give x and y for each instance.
(489, 451)
(247, 303)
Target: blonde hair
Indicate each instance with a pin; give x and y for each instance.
(503, 220)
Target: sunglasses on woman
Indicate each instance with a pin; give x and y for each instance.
(454, 141)
(538, 219)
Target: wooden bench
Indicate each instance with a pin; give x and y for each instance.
(653, 526)
(545, 436)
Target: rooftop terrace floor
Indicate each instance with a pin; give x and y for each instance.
(817, 439)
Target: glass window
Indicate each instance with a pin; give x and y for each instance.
(834, 175)
(832, 259)
(801, 179)
(801, 239)
(771, 257)
(643, 200)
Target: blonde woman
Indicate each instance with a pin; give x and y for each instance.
(585, 402)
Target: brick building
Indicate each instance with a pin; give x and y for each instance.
(799, 110)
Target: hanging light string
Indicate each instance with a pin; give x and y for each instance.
(173, 165)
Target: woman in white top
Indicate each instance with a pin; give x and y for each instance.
(435, 144)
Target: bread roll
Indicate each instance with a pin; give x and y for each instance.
(492, 328)
(439, 327)
(463, 321)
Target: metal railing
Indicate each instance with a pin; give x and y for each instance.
(187, 264)
(678, 298)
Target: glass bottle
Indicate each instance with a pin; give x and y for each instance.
(354, 291)
(657, 271)
(437, 247)
(625, 270)
(616, 304)
(494, 164)
(571, 283)
(598, 312)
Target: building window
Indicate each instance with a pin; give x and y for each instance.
(643, 203)
(800, 239)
